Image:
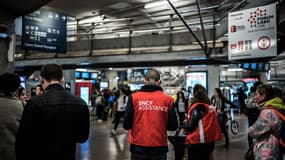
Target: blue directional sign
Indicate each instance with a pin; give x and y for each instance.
(45, 31)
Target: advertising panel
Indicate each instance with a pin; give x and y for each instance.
(199, 77)
(252, 33)
(84, 94)
(44, 31)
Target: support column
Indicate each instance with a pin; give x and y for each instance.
(5, 64)
(263, 77)
(213, 78)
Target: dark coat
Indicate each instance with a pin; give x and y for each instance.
(51, 125)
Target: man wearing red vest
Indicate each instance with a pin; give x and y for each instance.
(149, 114)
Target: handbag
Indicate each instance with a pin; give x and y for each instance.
(249, 155)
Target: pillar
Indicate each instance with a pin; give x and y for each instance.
(6, 64)
(213, 78)
(263, 77)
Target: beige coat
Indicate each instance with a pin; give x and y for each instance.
(11, 110)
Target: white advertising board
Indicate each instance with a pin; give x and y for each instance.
(252, 33)
(196, 77)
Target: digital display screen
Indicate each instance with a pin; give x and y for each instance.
(246, 65)
(77, 75)
(44, 31)
(85, 75)
(253, 66)
(94, 75)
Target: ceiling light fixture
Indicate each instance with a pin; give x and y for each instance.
(156, 4)
(92, 19)
(235, 69)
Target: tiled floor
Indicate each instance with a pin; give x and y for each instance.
(101, 145)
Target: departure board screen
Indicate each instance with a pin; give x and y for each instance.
(45, 31)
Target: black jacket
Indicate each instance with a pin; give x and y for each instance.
(197, 114)
(51, 125)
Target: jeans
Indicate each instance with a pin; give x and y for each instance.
(222, 118)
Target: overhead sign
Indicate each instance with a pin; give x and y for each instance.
(44, 31)
(252, 33)
(137, 75)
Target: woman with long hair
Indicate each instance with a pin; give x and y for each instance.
(180, 105)
(201, 125)
(219, 101)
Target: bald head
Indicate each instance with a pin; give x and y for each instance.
(152, 76)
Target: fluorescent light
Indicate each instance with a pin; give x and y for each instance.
(91, 20)
(81, 69)
(158, 3)
(234, 69)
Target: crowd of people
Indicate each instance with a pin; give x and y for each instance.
(47, 126)
(50, 124)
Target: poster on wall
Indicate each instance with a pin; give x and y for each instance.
(252, 33)
(199, 77)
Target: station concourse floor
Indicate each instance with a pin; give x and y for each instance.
(101, 145)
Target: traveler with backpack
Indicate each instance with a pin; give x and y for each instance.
(267, 127)
(201, 125)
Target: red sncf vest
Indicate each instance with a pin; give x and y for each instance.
(150, 119)
(208, 129)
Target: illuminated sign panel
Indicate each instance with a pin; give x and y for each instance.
(199, 77)
(252, 33)
(44, 31)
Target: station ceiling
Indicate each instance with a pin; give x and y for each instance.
(120, 18)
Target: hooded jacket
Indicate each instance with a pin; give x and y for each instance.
(267, 145)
